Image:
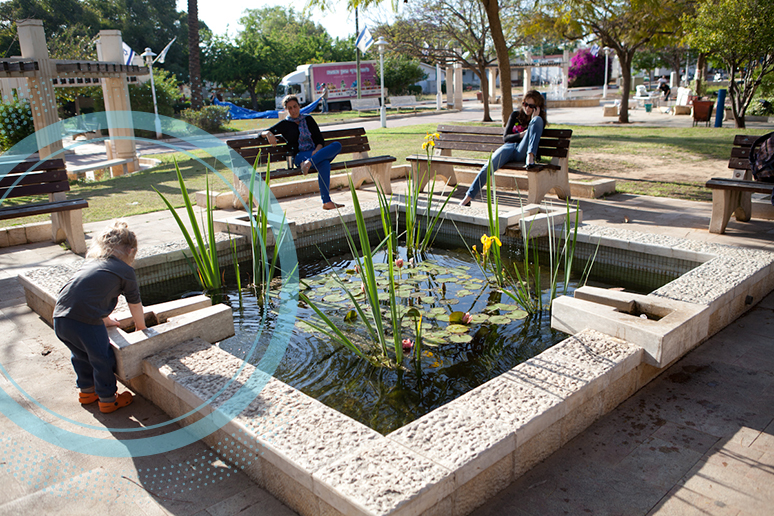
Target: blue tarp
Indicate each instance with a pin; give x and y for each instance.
(239, 113)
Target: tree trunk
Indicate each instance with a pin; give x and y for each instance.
(625, 58)
(194, 67)
(484, 93)
(736, 101)
(701, 65)
(503, 58)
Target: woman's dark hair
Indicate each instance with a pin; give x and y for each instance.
(537, 98)
(288, 98)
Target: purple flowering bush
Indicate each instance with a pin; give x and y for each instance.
(587, 70)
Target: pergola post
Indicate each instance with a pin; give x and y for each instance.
(32, 40)
(117, 107)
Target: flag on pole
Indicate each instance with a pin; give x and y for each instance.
(364, 40)
(163, 55)
(128, 54)
(594, 50)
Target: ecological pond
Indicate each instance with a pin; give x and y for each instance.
(469, 332)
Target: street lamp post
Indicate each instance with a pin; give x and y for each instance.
(382, 43)
(604, 89)
(148, 56)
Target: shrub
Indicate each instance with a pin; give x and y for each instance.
(16, 118)
(208, 118)
(586, 70)
(761, 107)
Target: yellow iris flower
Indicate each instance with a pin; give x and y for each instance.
(487, 242)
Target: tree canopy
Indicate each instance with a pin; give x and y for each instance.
(743, 38)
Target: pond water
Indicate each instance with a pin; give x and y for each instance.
(455, 358)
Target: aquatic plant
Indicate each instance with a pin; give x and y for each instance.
(420, 229)
(204, 252)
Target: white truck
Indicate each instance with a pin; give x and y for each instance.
(308, 80)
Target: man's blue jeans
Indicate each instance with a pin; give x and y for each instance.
(321, 161)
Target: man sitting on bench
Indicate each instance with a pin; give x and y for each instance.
(305, 140)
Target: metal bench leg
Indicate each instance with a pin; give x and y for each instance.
(724, 203)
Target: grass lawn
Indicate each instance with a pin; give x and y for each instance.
(132, 195)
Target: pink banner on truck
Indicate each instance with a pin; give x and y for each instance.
(341, 80)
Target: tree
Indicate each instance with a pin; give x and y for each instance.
(586, 69)
(242, 69)
(194, 68)
(452, 30)
(285, 39)
(745, 46)
(400, 72)
(623, 26)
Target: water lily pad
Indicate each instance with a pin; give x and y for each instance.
(517, 314)
(449, 301)
(478, 318)
(420, 277)
(351, 271)
(464, 292)
(380, 266)
(435, 338)
(456, 317)
(351, 316)
(334, 298)
(499, 319)
(460, 339)
(504, 307)
(459, 328)
(427, 299)
(383, 296)
(438, 310)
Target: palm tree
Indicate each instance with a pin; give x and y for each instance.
(194, 67)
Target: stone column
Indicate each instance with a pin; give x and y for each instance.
(117, 105)
(458, 82)
(492, 83)
(449, 86)
(32, 40)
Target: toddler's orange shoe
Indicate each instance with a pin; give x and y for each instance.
(87, 397)
(122, 400)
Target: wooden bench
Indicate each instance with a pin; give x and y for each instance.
(353, 141)
(406, 101)
(555, 143)
(367, 104)
(26, 178)
(734, 195)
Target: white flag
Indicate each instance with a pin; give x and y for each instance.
(128, 54)
(364, 40)
(594, 50)
(163, 54)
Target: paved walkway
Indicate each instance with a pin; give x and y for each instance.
(697, 440)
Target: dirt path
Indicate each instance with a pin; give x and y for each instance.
(651, 168)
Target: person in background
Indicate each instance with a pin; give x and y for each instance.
(303, 136)
(324, 97)
(82, 314)
(663, 85)
(521, 138)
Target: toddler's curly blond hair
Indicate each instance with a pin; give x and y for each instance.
(115, 240)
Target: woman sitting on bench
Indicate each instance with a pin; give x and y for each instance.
(521, 138)
(306, 142)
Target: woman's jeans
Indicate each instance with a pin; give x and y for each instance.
(92, 356)
(510, 152)
(321, 161)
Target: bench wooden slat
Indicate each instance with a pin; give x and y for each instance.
(739, 163)
(488, 130)
(745, 140)
(24, 166)
(35, 189)
(45, 176)
(27, 210)
(475, 162)
(336, 165)
(736, 184)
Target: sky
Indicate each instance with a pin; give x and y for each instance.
(339, 22)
